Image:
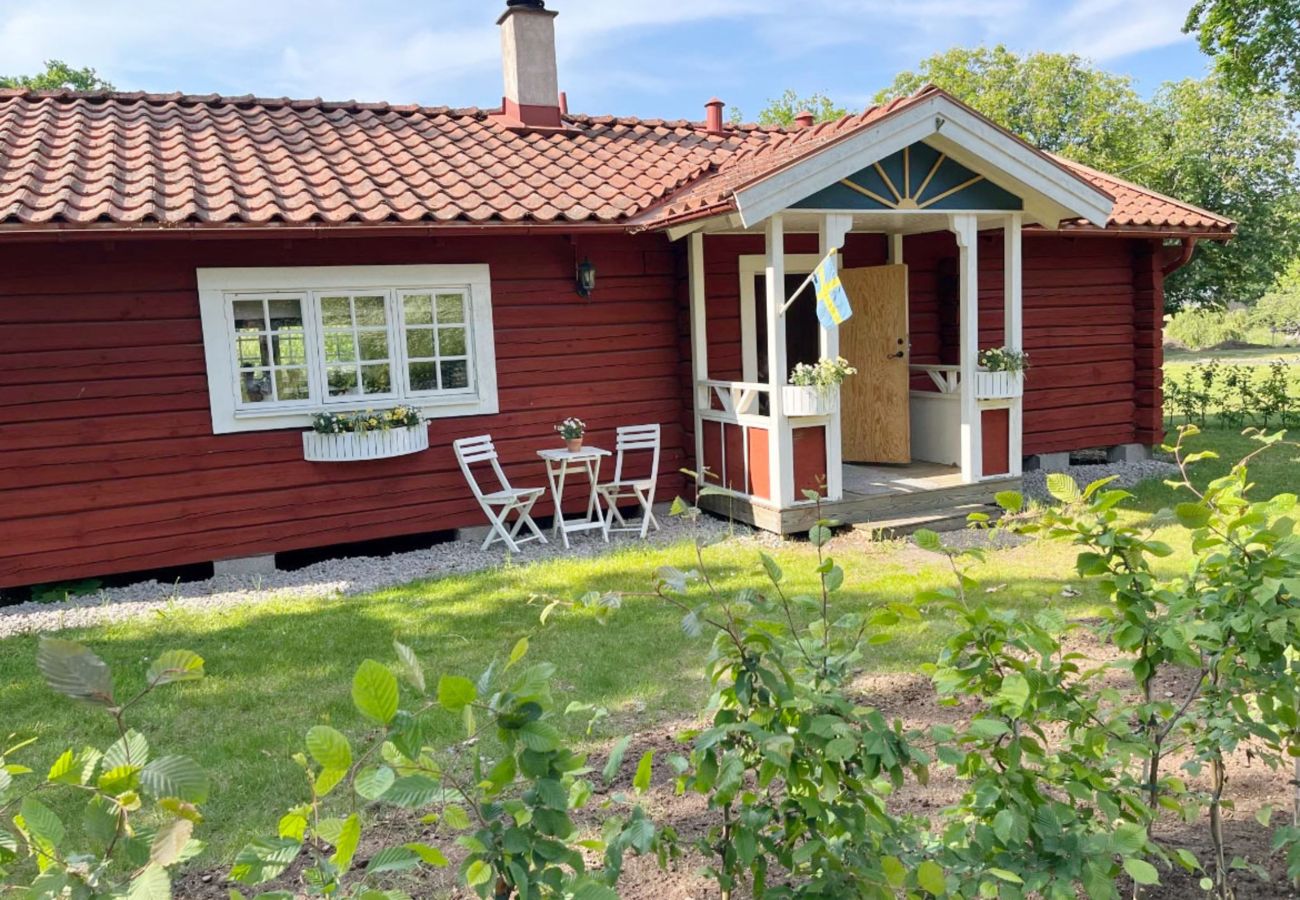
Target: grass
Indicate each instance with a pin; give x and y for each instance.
(276, 669)
(1254, 356)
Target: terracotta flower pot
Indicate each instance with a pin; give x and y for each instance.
(574, 444)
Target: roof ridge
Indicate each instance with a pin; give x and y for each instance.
(181, 98)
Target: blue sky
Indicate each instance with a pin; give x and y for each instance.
(632, 57)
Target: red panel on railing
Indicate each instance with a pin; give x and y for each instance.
(712, 462)
(809, 460)
(734, 438)
(996, 431)
(760, 469)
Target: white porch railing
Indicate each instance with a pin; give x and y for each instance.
(947, 379)
(730, 401)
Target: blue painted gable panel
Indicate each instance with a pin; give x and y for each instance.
(913, 175)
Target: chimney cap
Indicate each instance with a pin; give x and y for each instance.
(526, 4)
(805, 119)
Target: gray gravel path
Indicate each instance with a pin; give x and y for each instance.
(1127, 475)
(325, 580)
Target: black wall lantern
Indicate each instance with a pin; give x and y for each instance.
(586, 278)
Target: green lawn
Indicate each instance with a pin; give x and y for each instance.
(1253, 356)
(275, 669)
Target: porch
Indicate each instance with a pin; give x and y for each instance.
(884, 496)
(922, 427)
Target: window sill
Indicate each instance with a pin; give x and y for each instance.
(278, 420)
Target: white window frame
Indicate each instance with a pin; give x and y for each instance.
(218, 287)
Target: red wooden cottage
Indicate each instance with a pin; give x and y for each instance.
(185, 281)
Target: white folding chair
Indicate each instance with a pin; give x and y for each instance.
(633, 439)
(499, 504)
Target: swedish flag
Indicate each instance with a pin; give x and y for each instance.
(832, 302)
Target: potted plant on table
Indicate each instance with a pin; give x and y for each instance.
(1001, 373)
(367, 434)
(572, 429)
(814, 389)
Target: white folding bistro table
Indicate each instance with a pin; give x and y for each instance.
(559, 462)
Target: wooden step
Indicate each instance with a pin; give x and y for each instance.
(952, 518)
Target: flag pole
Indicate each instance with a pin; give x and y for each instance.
(807, 281)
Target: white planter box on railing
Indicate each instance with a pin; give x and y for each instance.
(998, 385)
(367, 445)
(810, 401)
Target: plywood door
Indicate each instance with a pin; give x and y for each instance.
(874, 419)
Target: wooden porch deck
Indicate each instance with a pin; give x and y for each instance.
(872, 493)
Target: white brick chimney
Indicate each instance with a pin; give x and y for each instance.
(532, 96)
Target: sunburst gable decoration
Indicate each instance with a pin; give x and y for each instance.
(915, 178)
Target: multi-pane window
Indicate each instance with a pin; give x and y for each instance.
(282, 344)
(355, 340)
(271, 350)
(437, 341)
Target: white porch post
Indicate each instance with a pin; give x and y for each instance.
(699, 346)
(831, 231)
(1013, 327)
(781, 438)
(966, 227)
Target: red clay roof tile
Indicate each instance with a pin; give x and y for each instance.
(82, 159)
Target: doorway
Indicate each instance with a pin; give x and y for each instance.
(875, 413)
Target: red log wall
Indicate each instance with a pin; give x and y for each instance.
(107, 458)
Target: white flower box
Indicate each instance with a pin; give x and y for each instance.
(998, 385)
(365, 445)
(810, 400)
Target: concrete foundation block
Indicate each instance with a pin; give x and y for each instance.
(1048, 462)
(1126, 453)
(245, 565)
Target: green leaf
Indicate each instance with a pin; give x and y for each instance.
(1010, 501)
(74, 671)
(374, 692)
(615, 761)
(1005, 875)
(773, 570)
(456, 817)
(373, 782)
(478, 873)
(1062, 487)
(345, 845)
(895, 871)
(1192, 515)
(540, 737)
(264, 859)
(392, 859)
(42, 822)
(131, 749)
(929, 875)
(455, 693)
(927, 540)
(169, 842)
(430, 855)
(413, 791)
(175, 776)
(520, 648)
(175, 665)
(411, 669)
(329, 747)
(593, 890)
(1014, 693)
(819, 535)
(644, 769)
(151, 884)
(1141, 871)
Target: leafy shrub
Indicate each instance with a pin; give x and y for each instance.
(1200, 329)
(511, 810)
(109, 854)
(795, 772)
(1229, 622)
(1237, 394)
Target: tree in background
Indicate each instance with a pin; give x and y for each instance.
(1195, 140)
(57, 75)
(1255, 43)
(1057, 102)
(782, 110)
(1279, 309)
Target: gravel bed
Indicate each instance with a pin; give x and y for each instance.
(324, 580)
(1126, 475)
